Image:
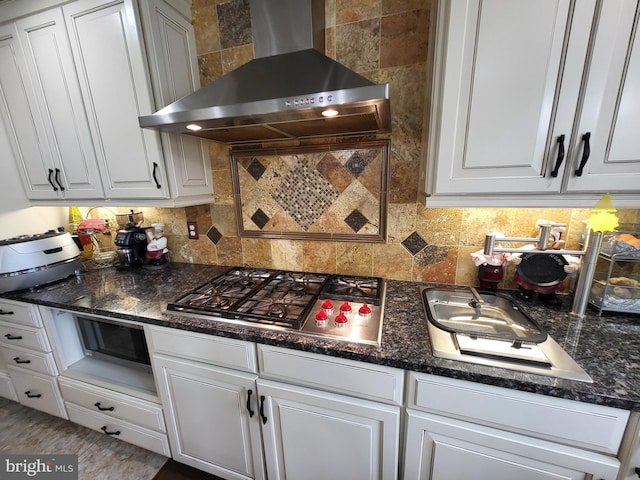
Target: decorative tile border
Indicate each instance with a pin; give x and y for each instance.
(322, 192)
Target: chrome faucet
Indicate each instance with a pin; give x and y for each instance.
(477, 301)
(587, 269)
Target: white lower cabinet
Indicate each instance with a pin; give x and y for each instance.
(211, 415)
(38, 391)
(290, 415)
(26, 351)
(441, 448)
(319, 435)
(125, 431)
(327, 417)
(125, 417)
(6, 387)
(457, 429)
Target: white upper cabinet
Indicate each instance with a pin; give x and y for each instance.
(518, 87)
(611, 106)
(110, 59)
(79, 76)
(43, 110)
(174, 73)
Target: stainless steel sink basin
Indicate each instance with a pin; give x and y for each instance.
(490, 329)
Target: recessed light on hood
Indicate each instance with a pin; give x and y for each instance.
(330, 112)
(285, 91)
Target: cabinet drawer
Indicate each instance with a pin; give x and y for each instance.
(6, 387)
(113, 404)
(224, 352)
(38, 391)
(27, 337)
(21, 313)
(30, 360)
(371, 382)
(584, 425)
(127, 432)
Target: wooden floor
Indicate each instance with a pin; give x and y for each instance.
(177, 471)
(26, 431)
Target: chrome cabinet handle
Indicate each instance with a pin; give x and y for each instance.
(585, 153)
(560, 158)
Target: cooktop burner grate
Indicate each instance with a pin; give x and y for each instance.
(290, 300)
(285, 298)
(363, 289)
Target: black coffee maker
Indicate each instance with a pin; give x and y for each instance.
(131, 241)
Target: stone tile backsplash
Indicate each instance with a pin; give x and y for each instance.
(385, 41)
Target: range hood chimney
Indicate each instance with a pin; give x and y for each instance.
(290, 90)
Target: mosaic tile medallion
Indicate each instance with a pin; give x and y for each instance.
(304, 194)
(318, 192)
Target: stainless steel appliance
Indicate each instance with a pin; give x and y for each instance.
(489, 329)
(115, 342)
(27, 261)
(290, 89)
(131, 243)
(342, 307)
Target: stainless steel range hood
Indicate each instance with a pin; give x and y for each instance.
(286, 92)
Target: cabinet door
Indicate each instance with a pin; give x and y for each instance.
(439, 448)
(211, 417)
(23, 122)
(48, 57)
(317, 435)
(507, 86)
(174, 74)
(108, 52)
(610, 112)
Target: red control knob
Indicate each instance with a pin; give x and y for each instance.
(321, 319)
(345, 308)
(341, 320)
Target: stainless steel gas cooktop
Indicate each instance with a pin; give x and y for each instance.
(343, 307)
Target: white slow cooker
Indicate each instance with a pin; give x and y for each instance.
(32, 260)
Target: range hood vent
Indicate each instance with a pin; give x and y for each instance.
(285, 92)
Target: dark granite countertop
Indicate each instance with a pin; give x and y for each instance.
(607, 347)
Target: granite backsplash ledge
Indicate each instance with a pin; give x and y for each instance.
(606, 347)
